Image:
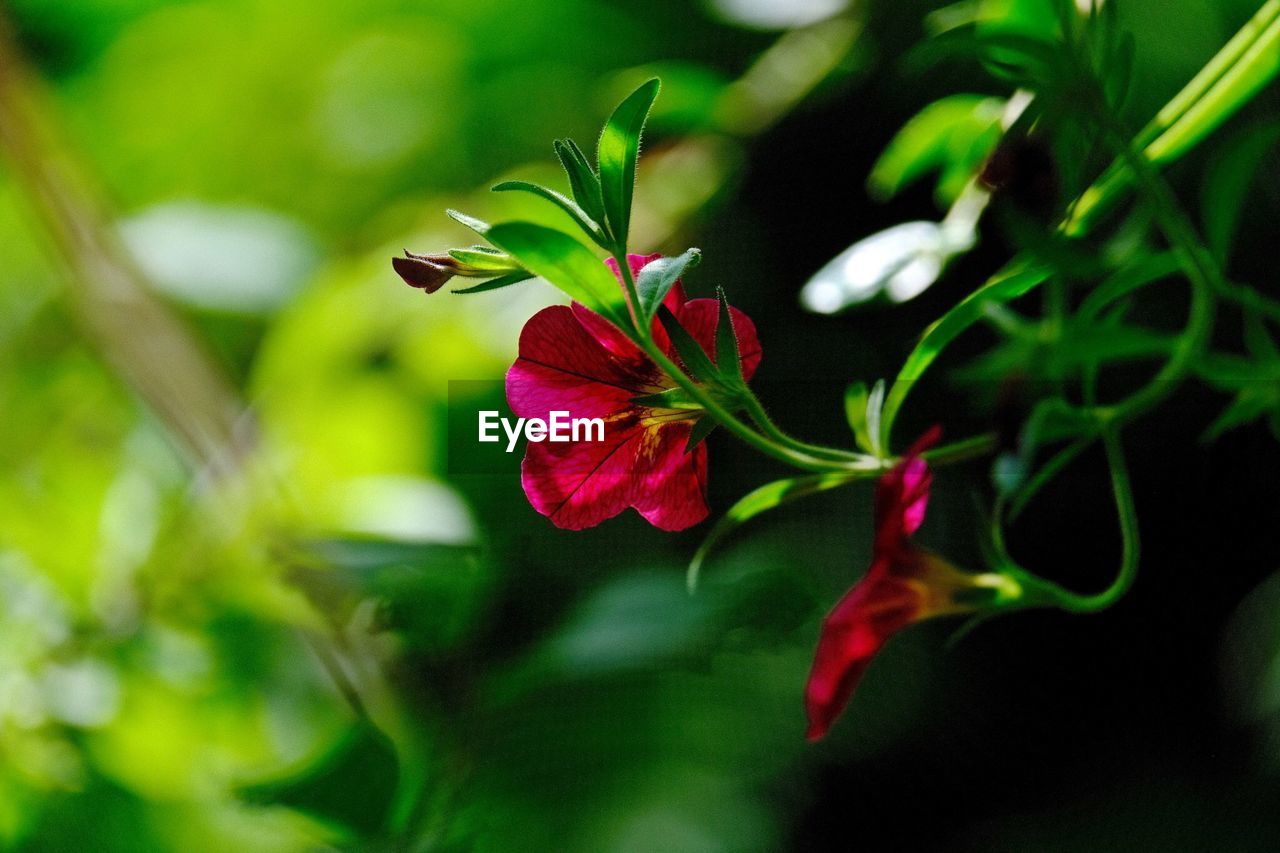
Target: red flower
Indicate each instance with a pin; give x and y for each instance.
(573, 360)
(904, 585)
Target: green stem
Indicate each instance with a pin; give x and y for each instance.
(1041, 591)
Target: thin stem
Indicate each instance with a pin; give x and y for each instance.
(1046, 592)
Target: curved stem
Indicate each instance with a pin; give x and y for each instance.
(1049, 593)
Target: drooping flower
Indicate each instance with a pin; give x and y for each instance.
(573, 360)
(904, 585)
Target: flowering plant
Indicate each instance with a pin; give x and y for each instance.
(661, 370)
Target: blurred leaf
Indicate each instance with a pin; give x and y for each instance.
(564, 263)
(351, 786)
(427, 593)
(1228, 180)
(617, 153)
(657, 277)
(1144, 271)
(953, 134)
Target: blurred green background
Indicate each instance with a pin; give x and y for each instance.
(355, 641)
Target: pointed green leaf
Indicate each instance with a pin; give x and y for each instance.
(568, 205)
(761, 500)
(702, 428)
(728, 360)
(477, 225)
(1003, 286)
(875, 412)
(953, 133)
(656, 279)
(695, 359)
(617, 153)
(855, 412)
(565, 263)
(496, 283)
(583, 180)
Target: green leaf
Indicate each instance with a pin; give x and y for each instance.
(565, 263)
(762, 500)
(352, 786)
(583, 180)
(477, 225)
(617, 153)
(571, 208)
(695, 359)
(1228, 181)
(496, 283)
(855, 412)
(875, 413)
(953, 134)
(728, 359)
(1144, 271)
(1246, 63)
(1002, 287)
(656, 279)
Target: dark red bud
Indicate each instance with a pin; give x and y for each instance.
(425, 272)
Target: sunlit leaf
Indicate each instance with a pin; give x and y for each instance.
(954, 133)
(617, 153)
(568, 205)
(563, 262)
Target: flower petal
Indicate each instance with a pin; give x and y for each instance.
(672, 493)
(902, 495)
(580, 484)
(877, 607)
(562, 367)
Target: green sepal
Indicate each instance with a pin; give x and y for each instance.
(728, 359)
(702, 428)
(655, 279)
(616, 155)
(568, 205)
(672, 398)
(496, 283)
(695, 358)
(484, 258)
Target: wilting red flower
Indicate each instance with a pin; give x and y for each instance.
(573, 360)
(904, 585)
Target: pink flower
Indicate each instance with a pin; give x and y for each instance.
(904, 585)
(573, 360)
